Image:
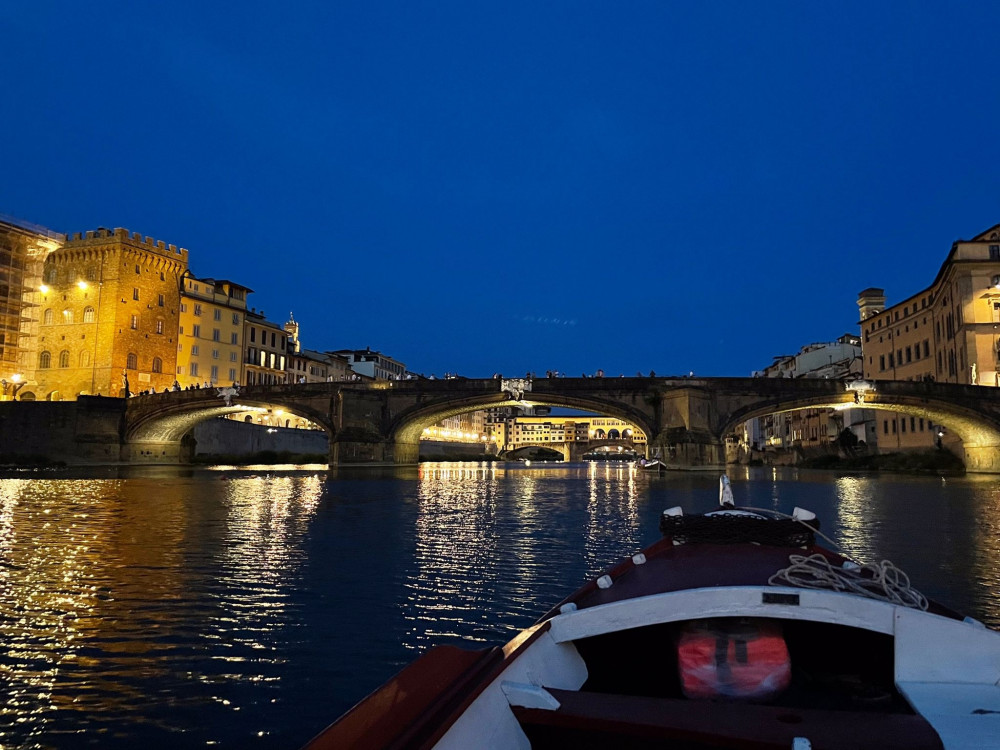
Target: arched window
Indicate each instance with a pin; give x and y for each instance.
(91, 273)
(67, 316)
(132, 363)
(84, 358)
(64, 358)
(50, 275)
(88, 315)
(44, 361)
(613, 435)
(157, 364)
(47, 318)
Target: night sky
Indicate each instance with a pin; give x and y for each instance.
(504, 187)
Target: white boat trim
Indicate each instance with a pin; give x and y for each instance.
(725, 601)
(489, 722)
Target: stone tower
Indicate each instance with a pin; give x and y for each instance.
(109, 310)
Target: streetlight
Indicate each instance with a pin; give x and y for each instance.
(14, 384)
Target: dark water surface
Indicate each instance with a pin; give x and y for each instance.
(232, 608)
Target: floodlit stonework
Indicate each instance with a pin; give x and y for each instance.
(108, 307)
(948, 333)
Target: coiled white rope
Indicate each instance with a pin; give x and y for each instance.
(886, 581)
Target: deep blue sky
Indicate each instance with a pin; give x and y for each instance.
(483, 187)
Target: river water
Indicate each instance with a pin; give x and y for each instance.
(166, 607)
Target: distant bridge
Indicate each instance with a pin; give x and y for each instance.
(381, 422)
(573, 450)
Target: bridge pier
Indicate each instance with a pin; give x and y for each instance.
(982, 459)
(684, 449)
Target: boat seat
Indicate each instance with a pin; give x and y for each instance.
(604, 720)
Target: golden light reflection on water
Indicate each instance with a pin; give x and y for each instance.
(611, 493)
(854, 497)
(101, 594)
(493, 543)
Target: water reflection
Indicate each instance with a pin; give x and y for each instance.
(200, 607)
(112, 597)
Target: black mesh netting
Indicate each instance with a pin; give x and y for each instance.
(724, 529)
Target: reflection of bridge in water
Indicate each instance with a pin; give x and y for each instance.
(687, 418)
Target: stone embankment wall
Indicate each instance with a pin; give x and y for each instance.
(434, 449)
(85, 431)
(223, 437)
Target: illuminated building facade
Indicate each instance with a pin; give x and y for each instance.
(512, 433)
(809, 429)
(109, 306)
(210, 336)
(948, 332)
(469, 427)
(366, 363)
(23, 249)
(265, 351)
(309, 366)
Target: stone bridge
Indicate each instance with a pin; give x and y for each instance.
(381, 422)
(575, 451)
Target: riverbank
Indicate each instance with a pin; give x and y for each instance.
(922, 462)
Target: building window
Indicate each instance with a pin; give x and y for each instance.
(44, 361)
(194, 369)
(196, 331)
(157, 364)
(215, 374)
(67, 316)
(91, 273)
(217, 314)
(135, 322)
(194, 350)
(232, 356)
(159, 326)
(51, 275)
(85, 359)
(88, 315)
(232, 374)
(253, 335)
(994, 252)
(197, 310)
(135, 293)
(216, 334)
(236, 319)
(184, 307)
(159, 300)
(64, 358)
(132, 361)
(234, 338)
(215, 354)
(47, 318)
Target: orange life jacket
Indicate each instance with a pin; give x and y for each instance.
(733, 659)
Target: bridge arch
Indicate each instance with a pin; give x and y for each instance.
(980, 434)
(405, 429)
(528, 446)
(157, 424)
